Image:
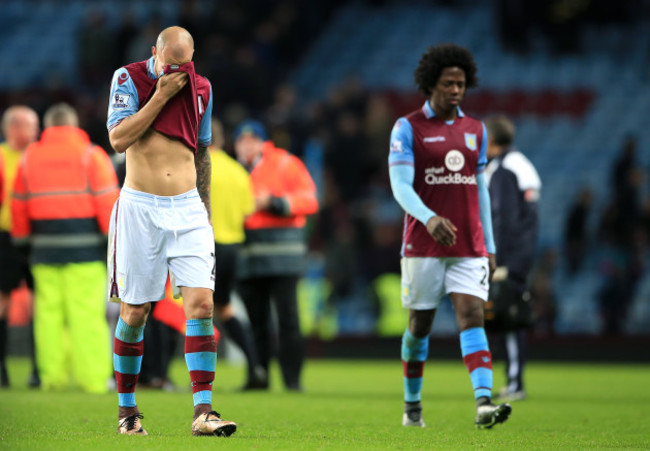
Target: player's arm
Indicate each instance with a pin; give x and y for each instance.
(485, 209)
(402, 173)
(128, 128)
(204, 176)
(202, 160)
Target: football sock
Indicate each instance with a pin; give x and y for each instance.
(127, 359)
(478, 360)
(201, 359)
(236, 332)
(414, 354)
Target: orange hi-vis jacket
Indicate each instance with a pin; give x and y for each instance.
(63, 196)
(274, 239)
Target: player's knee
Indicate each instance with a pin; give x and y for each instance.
(420, 322)
(470, 319)
(419, 330)
(135, 315)
(202, 309)
(207, 308)
(420, 327)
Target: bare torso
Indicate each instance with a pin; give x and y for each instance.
(159, 165)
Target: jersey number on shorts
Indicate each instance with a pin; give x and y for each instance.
(485, 274)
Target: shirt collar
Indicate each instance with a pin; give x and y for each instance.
(429, 113)
(150, 70)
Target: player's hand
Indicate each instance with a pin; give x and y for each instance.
(492, 263)
(168, 85)
(442, 230)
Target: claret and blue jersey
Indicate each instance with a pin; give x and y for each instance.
(125, 101)
(446, 157)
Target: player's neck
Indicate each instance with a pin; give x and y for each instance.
(446, 115)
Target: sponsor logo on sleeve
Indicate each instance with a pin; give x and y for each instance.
(120, 101)
(124, 76)
(470, 141)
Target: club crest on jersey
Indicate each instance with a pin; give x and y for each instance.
(470, 141)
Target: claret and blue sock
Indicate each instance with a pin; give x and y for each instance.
(414, 354)
(201, 359)
(127, 360)
(478, 360)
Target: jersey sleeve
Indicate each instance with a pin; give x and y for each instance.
(482, 153)
(123, 101)
(401, 182)
(205, 127)
(485, 212)
(401, 143)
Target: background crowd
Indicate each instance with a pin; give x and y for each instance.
(266, 60)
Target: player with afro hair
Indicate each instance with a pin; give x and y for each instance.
(438, 57)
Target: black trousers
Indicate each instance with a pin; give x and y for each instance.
(514, 345)
(160, 342)
(258, 293)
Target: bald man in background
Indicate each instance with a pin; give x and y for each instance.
(64, 191)
(159, 114)
(20, 129)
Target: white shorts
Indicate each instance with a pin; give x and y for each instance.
(425, 280)
(150, 236)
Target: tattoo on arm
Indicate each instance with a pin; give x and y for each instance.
(203, 176)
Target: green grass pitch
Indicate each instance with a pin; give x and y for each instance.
(346, 405)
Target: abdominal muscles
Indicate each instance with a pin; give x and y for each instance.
(160, 165)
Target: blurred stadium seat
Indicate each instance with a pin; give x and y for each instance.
(572, 111)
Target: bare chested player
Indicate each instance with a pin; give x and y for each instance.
(159, 114)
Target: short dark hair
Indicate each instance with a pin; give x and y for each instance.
(501, 129)
(436, 58)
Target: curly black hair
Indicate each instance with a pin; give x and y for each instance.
(436, 58)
